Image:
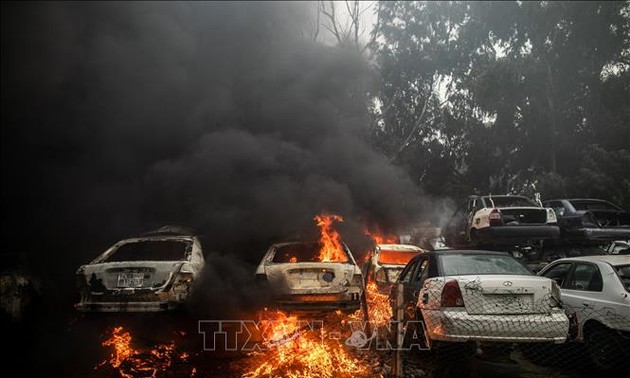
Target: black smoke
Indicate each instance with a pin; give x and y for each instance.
(118, 118)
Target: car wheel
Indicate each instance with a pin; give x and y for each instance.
(474, 237)
(603, 347)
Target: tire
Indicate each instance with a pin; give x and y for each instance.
(474, 238)
(604, 347)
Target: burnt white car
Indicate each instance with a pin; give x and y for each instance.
(154, 272)
(298, 280)
(388, 260)
(500, 220)
(480, 296)
(597, 290)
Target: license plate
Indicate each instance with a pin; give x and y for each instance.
(512, 300)
(130, 279)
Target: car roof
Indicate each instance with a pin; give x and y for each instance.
(172, 229)
(441, 252)
(399, 247)
(610, 259)
(579, 199)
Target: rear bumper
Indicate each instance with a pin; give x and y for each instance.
(524, 232)
(127, 306)
(596, 234)
(456, 325)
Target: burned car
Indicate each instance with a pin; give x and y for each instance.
(592, 221)
(153, 272)
(387, 261)
(500, 220)
(311, 276)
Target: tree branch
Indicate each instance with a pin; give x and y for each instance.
(418, 122)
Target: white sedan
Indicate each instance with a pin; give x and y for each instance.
(481, 296)
(597, 290)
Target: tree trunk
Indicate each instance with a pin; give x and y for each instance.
(553, 127)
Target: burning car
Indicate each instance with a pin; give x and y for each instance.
(480, 296)
(500, 220)
(309, 276)
(590, 220)
(388, 260)
(154, 272)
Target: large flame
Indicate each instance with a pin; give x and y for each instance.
(330, 240)
(295, 350)
(381, 238)
(379, 310)
(131, 362)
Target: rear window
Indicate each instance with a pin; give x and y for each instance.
(302, 252)
(623, 271)
(396, 257)
(510, 202)
(151, 250)
(459, 265)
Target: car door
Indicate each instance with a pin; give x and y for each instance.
(405, 279)
(582, 291)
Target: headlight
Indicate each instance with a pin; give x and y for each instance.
(551, 216)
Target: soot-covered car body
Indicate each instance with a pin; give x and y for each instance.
(154, 272)
(480, 296)
(500, 220)
(590, 220)
(299, 280)
(387, 261)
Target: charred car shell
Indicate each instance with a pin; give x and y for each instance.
(154, 272)
(387, 261)
(590, 220)
(298, 282)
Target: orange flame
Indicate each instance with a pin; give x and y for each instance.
(331, 250)
(296, 352)
(379, 310)
(381, 238)
(131, 362)
(121, 341)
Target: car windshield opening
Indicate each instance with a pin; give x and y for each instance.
(460, 265)
(510, 202)
(396, 257)
(302, 252)
(151, 250)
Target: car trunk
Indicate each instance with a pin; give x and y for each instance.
(523, 215)
(130, 275)
(309, 278)
(488, 294)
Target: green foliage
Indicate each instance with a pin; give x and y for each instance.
(507, 96)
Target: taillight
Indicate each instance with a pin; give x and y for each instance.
(495, 217)
(357, 280)
(451, 295)
(182, 284)
(381, 276)
(551, 216)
